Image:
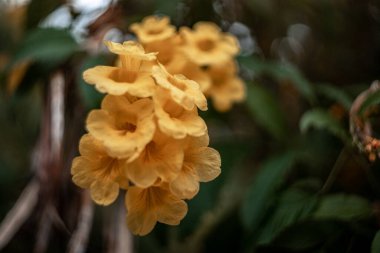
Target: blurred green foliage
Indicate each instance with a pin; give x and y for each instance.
(291, 179)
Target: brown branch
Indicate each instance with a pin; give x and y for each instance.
(79, 239)
(118, 237)
(43, 234)
(124, 243)
(361, 128)
(19, 213)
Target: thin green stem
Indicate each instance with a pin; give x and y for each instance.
(340, 161)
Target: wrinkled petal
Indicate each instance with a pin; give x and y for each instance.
(207, 27)
(196, 142)
(141, 223)
(177, 63)
(226, 93)
(196, 74)
(146, 206)
(171, 162)
(79, 170)
(162, 158)
(141, 174)
(130, 48)
(153, 29)
(207, 45)
(174, 121)
(125, 130)
(104, 192)
(141, 210)
(186, 185)
(110, 80)
(183, 91)
(90, 147)
(95, 170)
(206, 162)
(122, 181)
(173, 212)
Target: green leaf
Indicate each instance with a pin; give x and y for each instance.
(168, 8)
(280, 72)
(291, 73)
(375, 247)
(253, 64)
(91, 97)
(321, 119)
(343, 207)
(335, 94)
(52, 46)
(233, 153)
(294, 204)
(261, 193)
(266, 111)
(372, 99)
(306, 235)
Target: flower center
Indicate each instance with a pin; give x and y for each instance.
(129, 127)
(218, 82)
(154, 31)
(123, 75)
(206, 45)
(126, 127)
(130, 64)
(150, 149)
(108, 168)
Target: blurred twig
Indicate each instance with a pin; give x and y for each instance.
(19, 213)
(44, 232)
(119, 238)
(79, 239)
(124, 236)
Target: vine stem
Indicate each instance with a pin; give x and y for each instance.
(343, 155)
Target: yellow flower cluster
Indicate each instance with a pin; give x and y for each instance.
(204, 54)
(146, 138)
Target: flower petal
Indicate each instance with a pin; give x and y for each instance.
(183, 91)
(90, 147)
(141, 174)
(207, 45)
(206, 161)
(171, 162)
(80, 170)
(186, 185)
(130, 48)
(153, 29)
(196, 142)
(141, 210)
(110, 80)
(124, 130)
(226, 93)
(104, 192)
(141, 223)
(174, 121)
(162, 158)
(172, 212)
